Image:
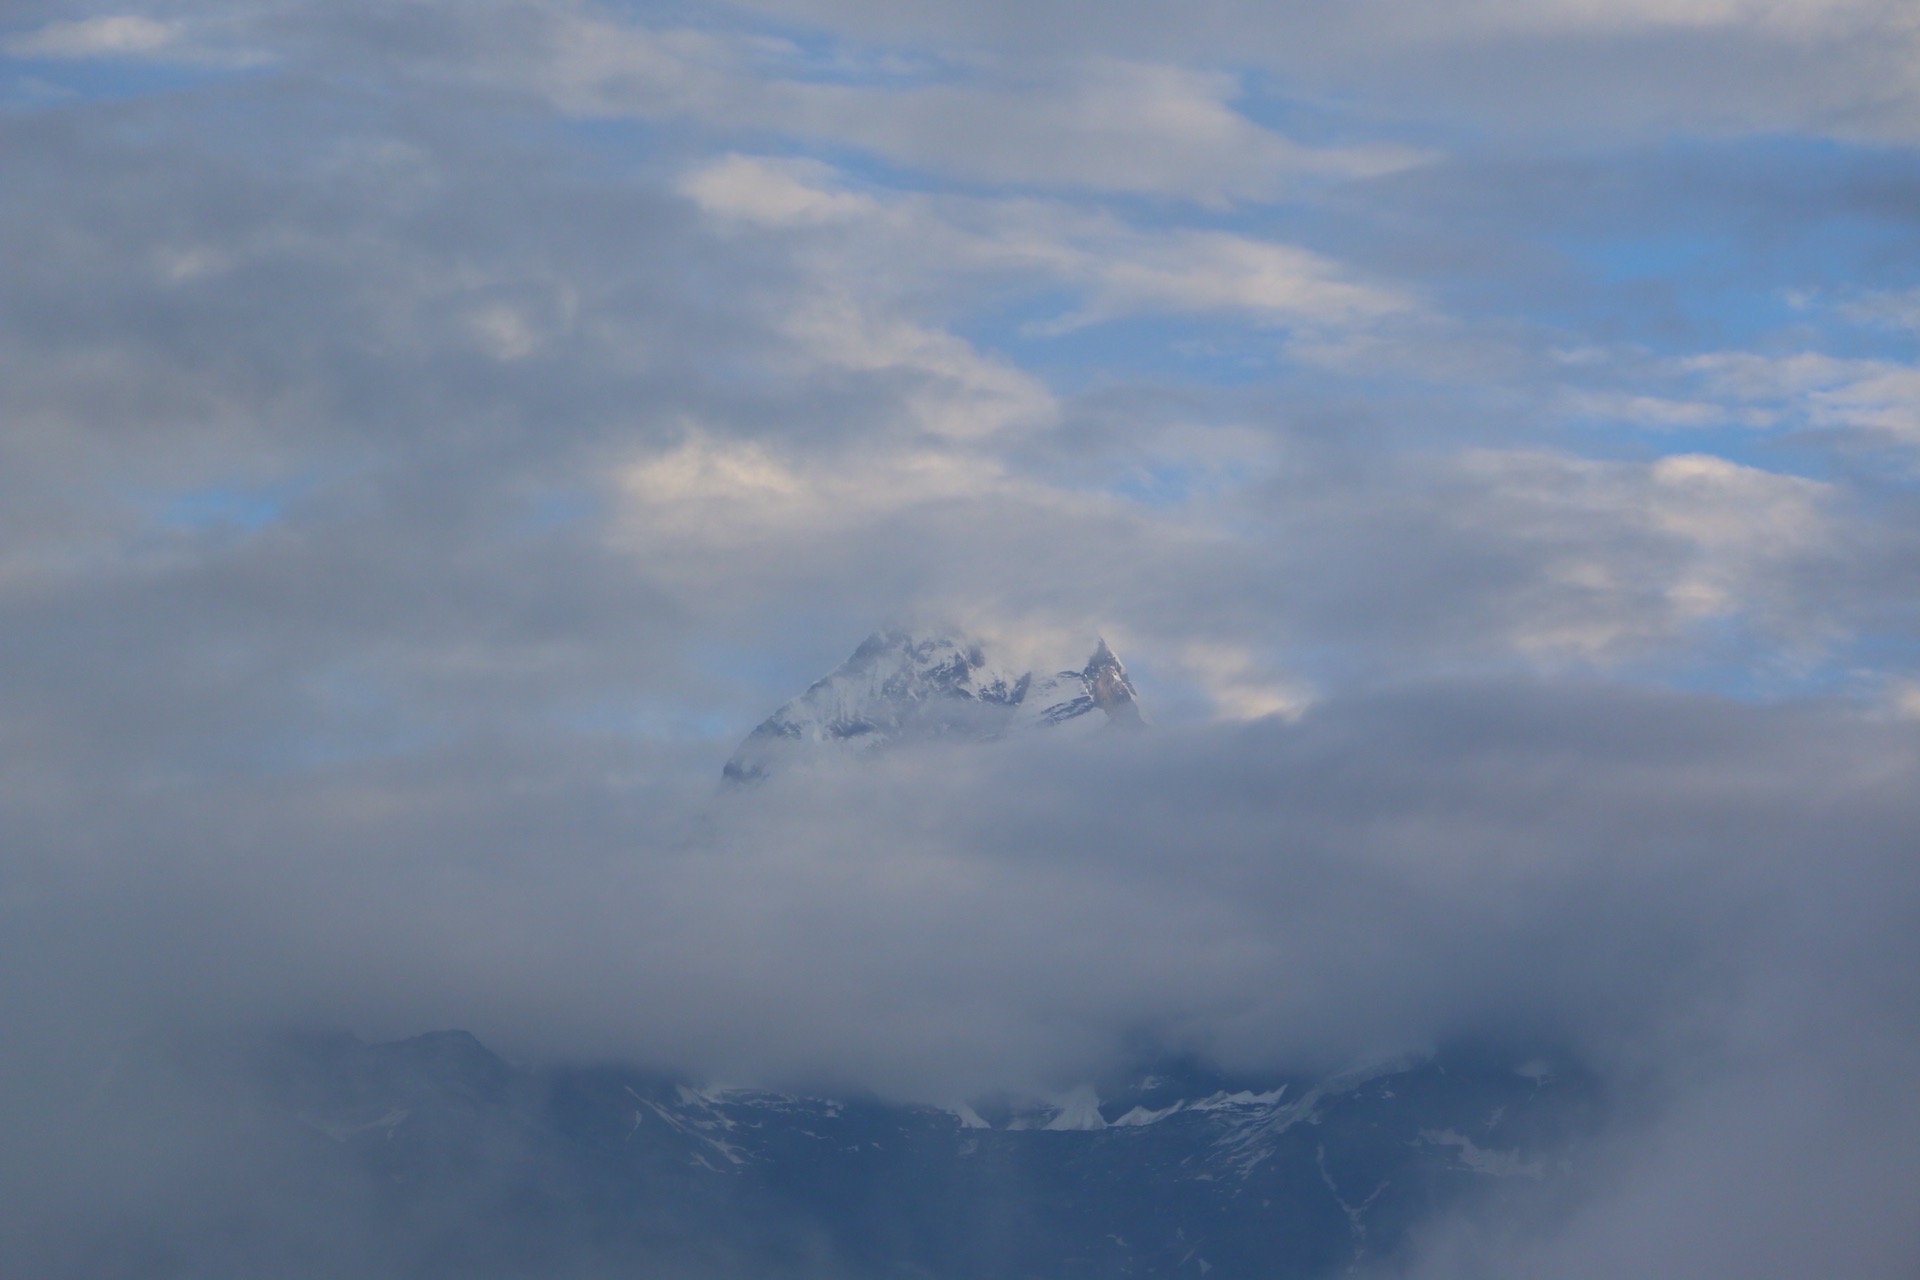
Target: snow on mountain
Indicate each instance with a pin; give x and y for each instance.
(901, 685)
(613, 1169)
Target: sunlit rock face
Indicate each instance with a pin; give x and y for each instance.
(901, 686)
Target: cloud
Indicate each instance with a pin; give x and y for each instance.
(719, 497)
(1808, 16)
(1233, 678)
(1875, 397)
(1705, 901)
(112, 36)
(773, 193)
(216, 44)
(1102, 125)
(1079, 123)
(1202, 272)
(1660, 412)
(1712, 532)
(1827, 68)
(1899, 309)
(1413, 864)
(553, 439)
(1123, 271)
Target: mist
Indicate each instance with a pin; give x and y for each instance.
(1705, 902)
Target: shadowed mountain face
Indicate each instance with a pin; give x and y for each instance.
(901, 686)
(432, 1158)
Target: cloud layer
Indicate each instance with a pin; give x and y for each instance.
(431, 435)
(1706, 901)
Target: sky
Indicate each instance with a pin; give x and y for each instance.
(433, 433)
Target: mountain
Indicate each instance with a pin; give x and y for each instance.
(431, 1157)
(900, 686)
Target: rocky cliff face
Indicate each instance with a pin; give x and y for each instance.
(901, 686)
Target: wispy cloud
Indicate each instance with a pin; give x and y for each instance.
(1878, 397)
(118, 36)
(1121, 270)
(132, 38)
(1089, 123)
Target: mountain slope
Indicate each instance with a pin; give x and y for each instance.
(431, 1158)
(901, 686)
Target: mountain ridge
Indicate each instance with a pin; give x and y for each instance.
(431, 1158)
(901, 685)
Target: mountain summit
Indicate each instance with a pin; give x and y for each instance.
(902, 685)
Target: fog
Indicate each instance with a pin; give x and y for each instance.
(1707, 902)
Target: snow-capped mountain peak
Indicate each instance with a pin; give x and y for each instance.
(903, 685)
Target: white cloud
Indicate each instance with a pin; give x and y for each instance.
(1898, 309)
(848, 315)
(1660, 411)
(1240, 683)
(1878, 396)
(1098, 124)
(956, 391)
(728, 495)
(503, 331)
(1903, 697)
(1829, 68)
(1089, 123)
(1121, 271)
(115, 36)
(1631, 556)
(1196, 272)
(775, 192)
(593, 66)
(1792, 16)
(138, 38)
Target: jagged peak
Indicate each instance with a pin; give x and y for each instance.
(933, 682)
(1113, 693)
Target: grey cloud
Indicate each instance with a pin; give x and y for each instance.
(1611, 867)
(1656, 882)
(459, 546)
(1827, 69)
(1093, 123)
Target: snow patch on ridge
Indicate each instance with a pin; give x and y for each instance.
(1141, 1116)
(901, 685)
(1079, 1110)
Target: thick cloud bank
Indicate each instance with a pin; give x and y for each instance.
(1707, 902)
